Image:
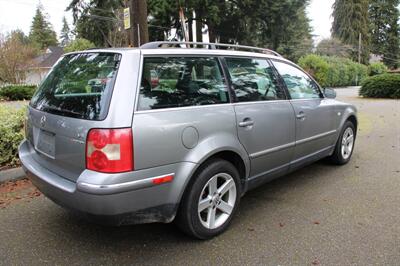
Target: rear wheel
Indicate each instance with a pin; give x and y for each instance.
(210, 201)
(345, 145)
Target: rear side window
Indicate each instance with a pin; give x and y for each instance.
(254, 80)
(79, 86)
(181, 81)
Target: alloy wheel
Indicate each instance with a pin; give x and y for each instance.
(217, 200)
(347, 143)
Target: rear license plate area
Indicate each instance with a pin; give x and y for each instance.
(46, 143)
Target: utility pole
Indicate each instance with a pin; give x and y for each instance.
(359, 54)
(359, 48)
(138, 32)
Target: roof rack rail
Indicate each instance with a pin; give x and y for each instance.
(212, 46)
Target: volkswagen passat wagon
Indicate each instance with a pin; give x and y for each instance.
(160, 134)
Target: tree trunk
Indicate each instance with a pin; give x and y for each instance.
(199, 26)
(211, 33)
(190, 29)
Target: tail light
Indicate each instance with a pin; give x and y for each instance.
(110, 150)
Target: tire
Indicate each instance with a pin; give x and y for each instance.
(342, 155)
(212, 177)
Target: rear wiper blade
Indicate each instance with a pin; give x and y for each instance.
(61, 111)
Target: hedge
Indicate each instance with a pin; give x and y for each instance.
(381, 86)
(17, 92)
(332, 71)
(316, 66)
(377, 69)
(11, 134)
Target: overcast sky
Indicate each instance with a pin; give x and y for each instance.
(18, 14)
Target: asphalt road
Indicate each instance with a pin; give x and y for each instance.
(321, 215)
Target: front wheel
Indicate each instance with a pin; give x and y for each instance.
(210, 201)
(345, 145)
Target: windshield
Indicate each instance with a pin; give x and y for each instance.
(79, 86)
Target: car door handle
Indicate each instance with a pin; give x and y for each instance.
(246, 123)
(301, 115)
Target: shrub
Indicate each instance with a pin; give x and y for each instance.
(331, 71)
(17, 92)
(316, 66)
(344, 72)
(377, 69)
(381, 86)
(11, 134)
(79, 44)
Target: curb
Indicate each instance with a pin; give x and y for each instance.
(11, 174)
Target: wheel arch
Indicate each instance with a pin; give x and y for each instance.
(233, 155)
(352, 118)
(349, 114)
(228, 155)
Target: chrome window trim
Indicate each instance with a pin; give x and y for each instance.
(261, 102)
(307, 99)
(182, 108)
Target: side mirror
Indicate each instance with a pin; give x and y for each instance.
(330, 93)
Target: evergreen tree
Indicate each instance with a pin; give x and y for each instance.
(65, 33)
(296, 40)
(350, 18)
(42, 34)
(163, 16)
(279, 25)
(384, 15)
(95, 19)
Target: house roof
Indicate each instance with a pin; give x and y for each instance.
(49, 58)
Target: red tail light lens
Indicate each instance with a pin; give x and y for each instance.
(110, 150)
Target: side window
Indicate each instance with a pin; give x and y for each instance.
(181, 81)
(299, 84)
(253, 80)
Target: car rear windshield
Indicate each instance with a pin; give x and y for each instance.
(79, 86)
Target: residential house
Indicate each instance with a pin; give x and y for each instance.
(42, 64)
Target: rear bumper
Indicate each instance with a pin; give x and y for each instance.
(124, 198)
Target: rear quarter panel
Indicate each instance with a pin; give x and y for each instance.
(184, 135)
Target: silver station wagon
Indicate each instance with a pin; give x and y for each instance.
(168, 132)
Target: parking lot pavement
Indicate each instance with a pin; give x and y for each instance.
(320, 215)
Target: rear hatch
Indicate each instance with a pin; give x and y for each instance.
(73, 98)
